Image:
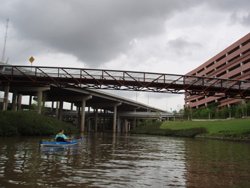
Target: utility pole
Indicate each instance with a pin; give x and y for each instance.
(5, 41)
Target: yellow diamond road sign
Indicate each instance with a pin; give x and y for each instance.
(31, 59)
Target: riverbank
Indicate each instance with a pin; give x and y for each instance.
(233, 129)
(28, 123)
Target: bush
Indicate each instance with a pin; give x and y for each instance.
(189, 132)
(30, 124)
(214, 111)
(154, 128)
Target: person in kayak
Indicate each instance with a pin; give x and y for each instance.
(61, 137)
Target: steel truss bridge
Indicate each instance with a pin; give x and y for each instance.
(36, 76)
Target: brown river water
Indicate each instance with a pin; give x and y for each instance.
(104, 160)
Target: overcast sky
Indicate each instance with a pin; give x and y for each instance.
(166, 36)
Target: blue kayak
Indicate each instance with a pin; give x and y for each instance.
(60, 144)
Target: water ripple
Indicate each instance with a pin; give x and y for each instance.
(125, 161)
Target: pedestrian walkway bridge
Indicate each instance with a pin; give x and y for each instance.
(122, 80)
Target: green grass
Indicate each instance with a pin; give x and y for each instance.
(226, 127)
(235, 129)
(28, 123)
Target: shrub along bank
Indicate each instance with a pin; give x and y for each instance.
(236, 129)
(31, 124)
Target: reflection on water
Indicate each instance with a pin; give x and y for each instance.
(217, 164)
(125, 161)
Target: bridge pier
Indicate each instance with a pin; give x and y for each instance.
(96, 119)
(126, 125)
(30, 101)
(52, 106)
(57, 109)
(14, 102)
(89, 121)
(39, 101)
(6, 97)
(115, 117)
(82, 127)
(19, 102)
(83, 105)
(60, 110)
(119, 124)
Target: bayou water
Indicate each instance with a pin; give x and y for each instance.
(104, 160)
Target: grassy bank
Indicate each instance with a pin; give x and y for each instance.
(236, 129)
(30, 124)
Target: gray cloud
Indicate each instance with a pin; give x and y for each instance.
(243, 19)
(229, 5)
(246, 19)
(236, 9)
(182, 47)
(94, 31)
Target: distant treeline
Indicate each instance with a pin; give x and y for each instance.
(212, 111)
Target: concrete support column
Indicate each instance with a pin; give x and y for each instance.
(126, 125)
(104, 119)
(19, 102)
(52, 106)
(14, 102)
(6, 97)
(89, 126)
(57, 109)
(30, 101)
(83, 105)
(43, 101)
(96, 119)
(71, 106)
(60, 110)
(115, 116)
(119, 124)
(39, 101)
(82, 116)
(78, 109)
